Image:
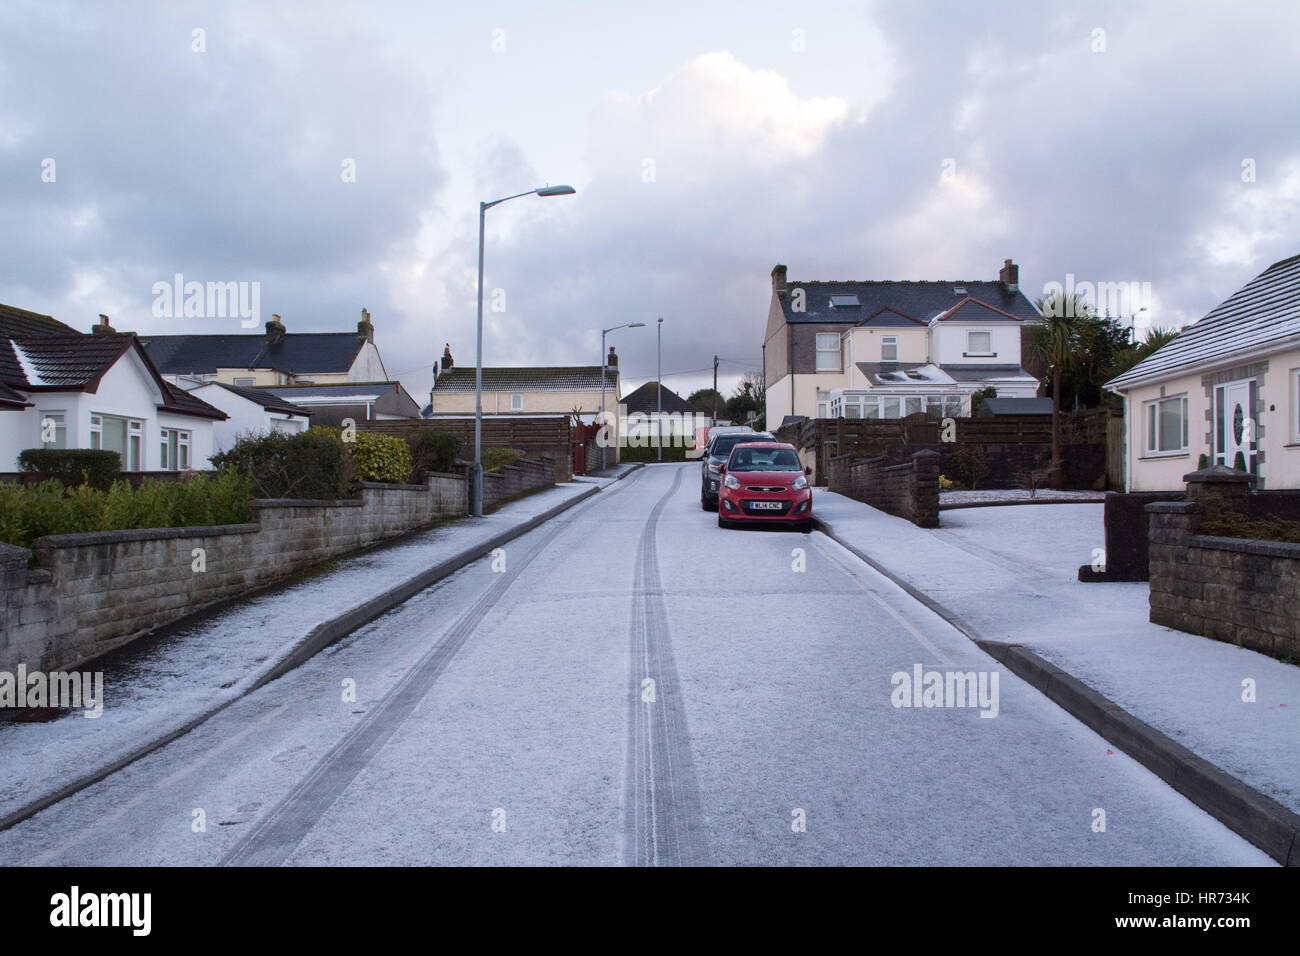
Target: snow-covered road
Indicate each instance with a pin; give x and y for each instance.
(629, 684)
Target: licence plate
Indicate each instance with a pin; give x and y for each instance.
(765, 505)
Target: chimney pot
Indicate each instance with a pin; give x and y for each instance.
(103, 327)
(447, 363)
(365, 328)
(611, 360)
(275, 331)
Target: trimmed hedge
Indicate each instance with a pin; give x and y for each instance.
(432, 451)
(380, 458)
(28, 512)
(651, 453)
(310, 464)
(73, 466)
(494, 459)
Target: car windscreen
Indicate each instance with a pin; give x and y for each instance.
(723, 444)
(764, 459)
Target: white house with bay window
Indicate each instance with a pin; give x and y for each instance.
(887, 349)
(1227, 386)
(63, 389)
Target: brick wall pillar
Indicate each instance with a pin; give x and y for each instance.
(925, 488)
(1230, 485)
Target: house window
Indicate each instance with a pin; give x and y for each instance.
(979, 342)
(122, 435)
(828, 351)
(54, 430)
(174, 447)
(823, 403)
(889, 348)
(1167, 426)
(247, 380)
(516, 403)
(1295, 404)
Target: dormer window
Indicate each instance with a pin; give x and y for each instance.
(959, 290)
(845, 302)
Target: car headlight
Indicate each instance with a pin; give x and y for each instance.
(732, 482)
(800, 483)
(714, 469)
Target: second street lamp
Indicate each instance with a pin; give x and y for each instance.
(604, 365)
(476, 470)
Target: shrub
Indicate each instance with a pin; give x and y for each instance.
(1203, 462)
(969, 465)
(947, 484)
(1239, 462)
(73, 466)
(1221, 523)
(28, 512)
(432, 451)
(494, 459)
(310, 464)
(380, 458)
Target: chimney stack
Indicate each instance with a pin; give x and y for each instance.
(104, 327)
(275, 331)
(611, 360)
(366, 330)
(1010, 276)
(778, 279)
(447, 363)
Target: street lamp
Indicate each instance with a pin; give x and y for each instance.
(476, 470)
(659, 389)
(603, 366)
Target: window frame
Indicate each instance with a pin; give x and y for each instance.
(888, 341)
(516, 406)
(970, 348)
(1152, 417)
(820, 350)
(60, 416)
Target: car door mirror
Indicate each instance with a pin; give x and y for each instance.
(722, 469)
(807, 470)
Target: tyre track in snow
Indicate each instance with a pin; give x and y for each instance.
(276, 837)
(663, 823)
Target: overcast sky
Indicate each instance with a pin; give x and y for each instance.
(1147, 142)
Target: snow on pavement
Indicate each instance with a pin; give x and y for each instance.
(156, 685)
(1011, 573)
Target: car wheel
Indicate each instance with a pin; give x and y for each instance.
(806, 526)
(722, 522)
(704, 504)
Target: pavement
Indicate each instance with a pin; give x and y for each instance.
(628, 684)
(1008, 577)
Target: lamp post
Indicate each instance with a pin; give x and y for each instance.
(659, 389)
(603, 366)
(476, 470)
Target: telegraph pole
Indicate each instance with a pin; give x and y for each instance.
(715, 390)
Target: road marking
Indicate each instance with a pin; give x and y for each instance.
(907, 625)
(664, 823)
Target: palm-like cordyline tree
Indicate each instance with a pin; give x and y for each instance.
(1060, 342)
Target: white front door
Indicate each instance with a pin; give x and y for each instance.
(1234, 425)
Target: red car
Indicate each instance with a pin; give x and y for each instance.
(762, 483)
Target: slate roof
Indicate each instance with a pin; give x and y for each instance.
(298, 352)
(64, 362)
(334, 391)
(971, 309)
(10, 399)
(919, 300)
(1264, 312)
(265, 398)
(556, 378)
(982, 373)
(76, 362)
(645, 400)
(19, 323)
(992, 407)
